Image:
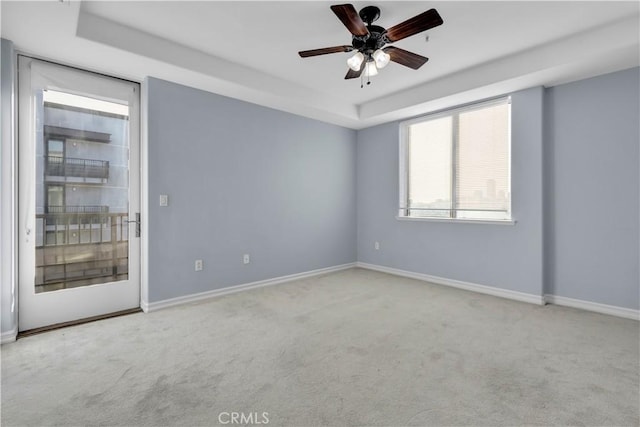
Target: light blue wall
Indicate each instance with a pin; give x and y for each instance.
(243, 179)
(592, 189)
(8, 318)
(504, 256)
(575, 199)
(292, 192)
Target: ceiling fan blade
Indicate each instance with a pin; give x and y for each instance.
(419, 23)
(324, 51)
(355, 74)
(347, 14)
(406, 58)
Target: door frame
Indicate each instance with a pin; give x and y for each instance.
(9, 206)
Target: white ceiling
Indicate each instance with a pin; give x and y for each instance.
(248, 50)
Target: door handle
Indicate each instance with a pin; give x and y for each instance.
(137, 221)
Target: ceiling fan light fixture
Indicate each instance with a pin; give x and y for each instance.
(370, 69)
(381, 57)
(355, 61)
(368, 40)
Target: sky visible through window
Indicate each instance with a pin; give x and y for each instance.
(85, 102)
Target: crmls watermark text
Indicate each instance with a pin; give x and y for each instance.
(243, 418)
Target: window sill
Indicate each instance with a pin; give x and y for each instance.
(460, 220)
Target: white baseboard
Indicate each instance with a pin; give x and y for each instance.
(8, 336)
(467, 286)
(154, 306)
(611, 310)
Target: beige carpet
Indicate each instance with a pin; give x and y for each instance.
(351, 348)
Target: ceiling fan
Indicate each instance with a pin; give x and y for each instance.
(368, 40)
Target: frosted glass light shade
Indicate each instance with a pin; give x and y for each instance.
(370, 69)
(355, 61)
(381, 57)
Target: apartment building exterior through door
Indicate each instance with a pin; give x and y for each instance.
(79, 250)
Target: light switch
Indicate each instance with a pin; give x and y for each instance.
(164, 200)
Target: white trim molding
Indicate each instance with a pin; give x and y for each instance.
(459, 220)
(9, 336)
(144, 193)
(158, 305)
(612, 310)
(595, 307)
(467, 286)
(8, 197)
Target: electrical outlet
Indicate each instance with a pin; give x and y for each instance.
(246, 259)
(164, 200)
(199, 265)
(376, 245)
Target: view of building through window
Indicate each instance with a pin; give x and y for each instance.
(82, 191)
(458, 165)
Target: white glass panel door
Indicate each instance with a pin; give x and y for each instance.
(78, 194)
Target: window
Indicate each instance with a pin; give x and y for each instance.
(55, 197)
(456, 164)
(55, 148)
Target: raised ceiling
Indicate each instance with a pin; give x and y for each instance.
(248, 50)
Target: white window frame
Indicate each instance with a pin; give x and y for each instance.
(404, 160)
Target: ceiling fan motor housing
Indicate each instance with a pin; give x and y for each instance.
(375, 39)
(368, 45)
(369, 14)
